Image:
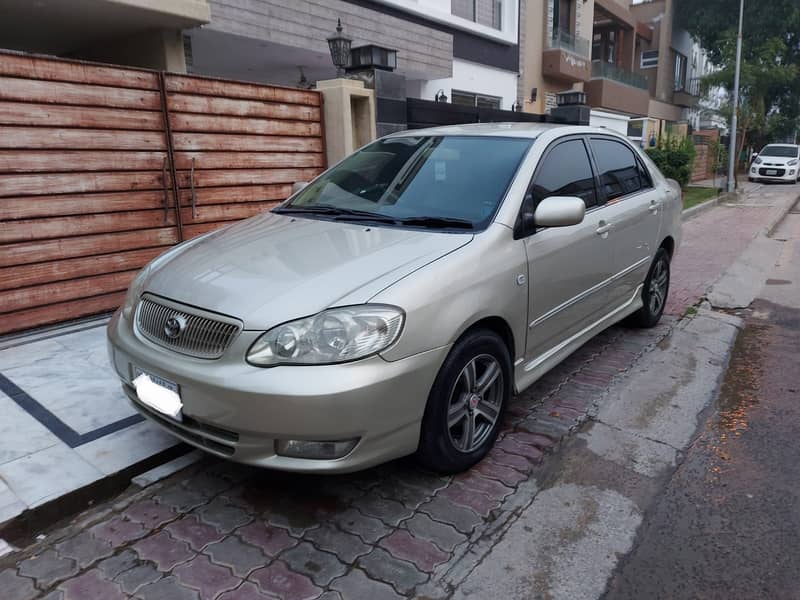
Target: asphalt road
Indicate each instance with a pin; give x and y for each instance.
(728, 522)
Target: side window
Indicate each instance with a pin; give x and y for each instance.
(565, 171)
(644, 175)
(619, 170)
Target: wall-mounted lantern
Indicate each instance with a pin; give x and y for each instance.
(339, 45)
(372, 56)
(440, 96)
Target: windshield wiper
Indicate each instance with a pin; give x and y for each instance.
(437, 222)
(336, 212)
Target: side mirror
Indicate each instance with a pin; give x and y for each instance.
(559, 211)
(298, 185)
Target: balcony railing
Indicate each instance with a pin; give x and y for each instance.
(692, 87)
(569, 42)
(604, 70)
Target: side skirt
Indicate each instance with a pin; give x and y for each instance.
(527, 374)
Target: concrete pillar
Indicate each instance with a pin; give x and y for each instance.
(349, 116)
(666, 68)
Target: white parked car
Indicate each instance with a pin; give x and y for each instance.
(776, 162)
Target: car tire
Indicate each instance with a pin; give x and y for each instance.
(463, 414)
(654, 292)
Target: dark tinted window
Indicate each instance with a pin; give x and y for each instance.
(566, 171)
(618, 168)
(644, 175)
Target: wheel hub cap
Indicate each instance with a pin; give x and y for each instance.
(474, 399)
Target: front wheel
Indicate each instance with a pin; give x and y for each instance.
(466, 404)
(654, 292)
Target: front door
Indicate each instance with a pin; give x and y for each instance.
(633, 210)
(568, 266)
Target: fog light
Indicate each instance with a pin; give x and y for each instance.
(753, 170)
(791, 172)
(314, 450)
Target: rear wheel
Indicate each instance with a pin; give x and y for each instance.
(466, 404)
(654, 292)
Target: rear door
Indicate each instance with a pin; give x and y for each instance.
(633, 208)
(568, 266)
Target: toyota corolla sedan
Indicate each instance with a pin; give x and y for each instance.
(776, 162)
(394, 305)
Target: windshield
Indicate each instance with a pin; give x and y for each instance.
(439, 181)
(782, 151)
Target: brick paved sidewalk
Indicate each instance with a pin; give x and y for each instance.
(225, 531)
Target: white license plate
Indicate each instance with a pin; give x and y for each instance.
(771, 172)
(158, 393)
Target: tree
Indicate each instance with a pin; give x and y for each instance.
(770, 76)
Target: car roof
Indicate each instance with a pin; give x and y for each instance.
(783, 145)
(516, 130)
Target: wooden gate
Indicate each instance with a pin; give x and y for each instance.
(88, 157)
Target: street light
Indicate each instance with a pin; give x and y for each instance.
(339, 45)
(733, 158)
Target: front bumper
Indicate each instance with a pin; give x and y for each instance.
(237, 411)
(780, 174)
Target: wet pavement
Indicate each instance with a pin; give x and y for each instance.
(728, 523)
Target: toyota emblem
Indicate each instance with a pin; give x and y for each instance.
(174, 326)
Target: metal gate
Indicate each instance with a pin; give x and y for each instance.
(88, 159)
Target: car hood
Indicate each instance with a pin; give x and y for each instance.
(274, 268)
(775, 161)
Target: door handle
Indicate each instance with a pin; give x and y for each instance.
(604, 228)
(653, 208)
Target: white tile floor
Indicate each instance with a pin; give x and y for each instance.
(69, 375)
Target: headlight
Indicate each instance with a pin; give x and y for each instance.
(757, 161)
(134, 291)
(332, 336)
(792, 162)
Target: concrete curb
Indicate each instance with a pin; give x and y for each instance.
(779, 216)
(689, 213)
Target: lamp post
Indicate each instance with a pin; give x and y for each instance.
(733, 158)
(339, 45)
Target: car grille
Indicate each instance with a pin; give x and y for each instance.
(777, 172)
(204, 335)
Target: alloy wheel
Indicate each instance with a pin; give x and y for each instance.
(475, 403)
(658, 286)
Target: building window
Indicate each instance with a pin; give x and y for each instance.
(680, 72)
(649, 59)
(472, 99)
(604, 46)
(483, 12)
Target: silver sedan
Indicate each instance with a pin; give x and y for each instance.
(395, 304)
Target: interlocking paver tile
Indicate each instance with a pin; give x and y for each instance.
(246, 591)
(180, 498)
(346, 546)
(507, 475)
(418, 551)
(321, 567)
(400, 574)
(446, 537)
(198, 535)
(119, 563)
(367, 528)
(167, 589)
(510, 445)
(208, 484)
(137, 577)
(388, 511)
(477, 501)
(91, 584)
(410, 495)
(85, 548)
(357, 585)
(415, 477)
(271, 540)
(241, 558)
(208, 579)
(56, 594)
(16, 587)
(278, 580)
(149, 514)
(473, 481)
(165, 551)
(225, 517)
(515, 461)
(542, 442)
(118, 531)
(47, 568)
(442, 509)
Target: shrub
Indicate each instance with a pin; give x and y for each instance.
(675, 158)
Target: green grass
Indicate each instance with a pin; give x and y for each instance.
(692, 196)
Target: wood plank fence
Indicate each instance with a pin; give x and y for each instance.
(89, 160)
